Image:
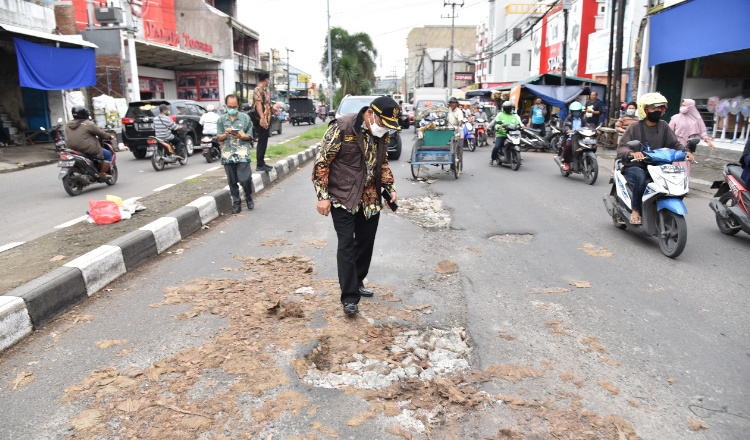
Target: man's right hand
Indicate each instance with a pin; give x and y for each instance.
(637, 156)
(324, 207)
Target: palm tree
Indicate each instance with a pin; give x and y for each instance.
(349, 73)
(358, 47)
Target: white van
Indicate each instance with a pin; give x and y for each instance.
(423, 95)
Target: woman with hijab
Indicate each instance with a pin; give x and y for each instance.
(688, 123)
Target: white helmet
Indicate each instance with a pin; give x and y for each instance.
(210, 108)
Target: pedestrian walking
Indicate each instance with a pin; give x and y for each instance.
(349, 174)
(263, 110)
(686, 124)
(236, 132)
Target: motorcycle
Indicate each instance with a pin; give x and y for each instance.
(57, 134)
(470, 141)
(211, 148)
(77, 171)
(322, 114)
(163, 152)
(583, 144)
(663, 212)
(551, 141)
(731, 207)
(480, 125)
(513, 135)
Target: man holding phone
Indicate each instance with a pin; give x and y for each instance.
(236, 131)
(538, 112)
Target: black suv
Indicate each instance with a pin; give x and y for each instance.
(138, 123)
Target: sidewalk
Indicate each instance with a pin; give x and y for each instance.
(18, 158)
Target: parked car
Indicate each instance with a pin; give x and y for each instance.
(408, 109)
(138, 123)
(353, 104)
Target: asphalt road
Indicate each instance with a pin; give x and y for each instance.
(35, 202)
(652, 341)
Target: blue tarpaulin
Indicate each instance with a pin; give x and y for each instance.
(699, 28)
(558, 96)
(53, 68)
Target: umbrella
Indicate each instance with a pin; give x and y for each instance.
(459, 94)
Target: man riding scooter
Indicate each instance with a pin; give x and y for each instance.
(163, 125)
(505, 117)
(653, 133)
(573, 122)
(83, 136)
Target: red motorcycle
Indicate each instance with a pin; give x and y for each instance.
(733, 201)
(78, 171)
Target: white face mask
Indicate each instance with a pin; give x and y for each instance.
(377, 130)
(630, 111)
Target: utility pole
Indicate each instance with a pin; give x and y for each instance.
(610, 91)
(135, 89)
(453, 5)
(617, 80)
(330, 65)
(564, 44)
(288, 76)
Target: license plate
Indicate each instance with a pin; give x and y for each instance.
(151, 149)
(672, 169)
(66, 163)
(59, 143)
(145, 126)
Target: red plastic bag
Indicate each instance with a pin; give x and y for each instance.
(104, 212)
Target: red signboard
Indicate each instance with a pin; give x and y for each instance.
(200, 85)
(460, 76)
(581, 23)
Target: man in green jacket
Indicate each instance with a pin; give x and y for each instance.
(505, 117)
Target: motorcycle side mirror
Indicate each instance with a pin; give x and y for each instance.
(59, 120)
(634, 144)
(692, 143)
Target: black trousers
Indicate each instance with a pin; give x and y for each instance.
(239, 174)
(263, 134)
(356, 236)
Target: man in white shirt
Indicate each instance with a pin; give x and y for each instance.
(208, 120)
(456, 115)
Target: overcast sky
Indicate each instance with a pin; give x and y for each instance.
(301, 25)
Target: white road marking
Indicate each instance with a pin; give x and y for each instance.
(191, 177)
(11, 245)
(162, 188)
(72, 222)
(213, 168)
(130, 200)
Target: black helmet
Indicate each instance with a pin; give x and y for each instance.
(80, 112)
(453, 99)
(246, 107)
(507, 106)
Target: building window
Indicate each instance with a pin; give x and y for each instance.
(515, 59)
(490, 69)
(505, 60)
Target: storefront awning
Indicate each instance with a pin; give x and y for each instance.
(44, 38)
(698, 28)
(163, 56)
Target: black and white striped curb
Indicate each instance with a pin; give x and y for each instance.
(29, 307)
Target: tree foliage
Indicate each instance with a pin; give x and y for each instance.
(353, 59)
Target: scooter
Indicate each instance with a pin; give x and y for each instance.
(731, 207)
(77, 171)
(57, 133)
(662, 211)
(583, 143)
(470, 140)
(322, 114)
(480, 125)
(163, 153)
(513, 135)
(210, 147)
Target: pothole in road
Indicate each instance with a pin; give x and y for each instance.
(421, 354)
(512, 238)
(427, 212)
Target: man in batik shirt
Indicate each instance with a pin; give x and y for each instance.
(350, 172)
(236, 131)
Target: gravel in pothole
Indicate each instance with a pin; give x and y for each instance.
(512, 238)
(426, 212)
(425, 354)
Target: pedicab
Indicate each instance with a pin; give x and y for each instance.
(436, 143)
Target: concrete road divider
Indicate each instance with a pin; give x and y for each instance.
(31, 306)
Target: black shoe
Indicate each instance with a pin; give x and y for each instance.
(236, 209)
(263, 167)
(350, 309)
(250, 204)
(364, 291)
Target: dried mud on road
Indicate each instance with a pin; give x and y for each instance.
(286, 336)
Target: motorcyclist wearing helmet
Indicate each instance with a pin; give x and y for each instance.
(505, 117)
(653, 133)
(573, 122)
(83, 136)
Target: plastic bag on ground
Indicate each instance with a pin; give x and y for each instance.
(115, 199)
(104, 212)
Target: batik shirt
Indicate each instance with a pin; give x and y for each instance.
(370, 202)
(234, 150)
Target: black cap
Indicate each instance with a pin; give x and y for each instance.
(453, 99)
(163, 107)
(387, 110)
